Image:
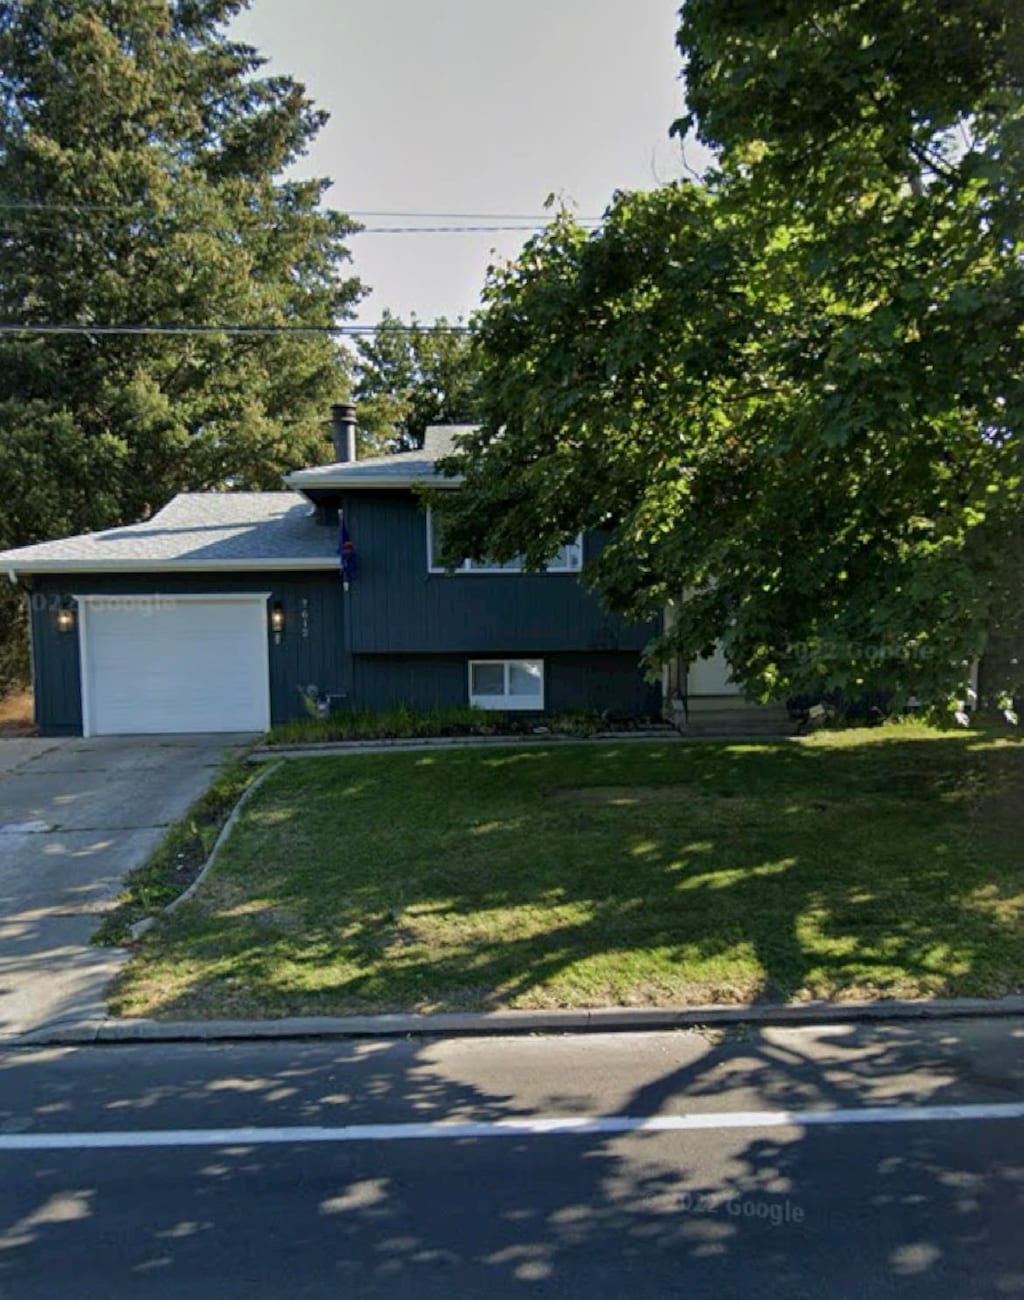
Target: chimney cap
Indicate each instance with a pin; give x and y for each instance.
(343, 431)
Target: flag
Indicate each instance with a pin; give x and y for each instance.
(346, 552)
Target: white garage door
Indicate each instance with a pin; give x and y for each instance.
(153, 664)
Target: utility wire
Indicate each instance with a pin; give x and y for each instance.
(466, 216)
(127, 209)
(22, 234)
(438, 230)
(49, 228)
(12, 327)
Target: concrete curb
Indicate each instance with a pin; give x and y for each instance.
(457, 1024)
(140, 927)
(225, 831)
(336, 747)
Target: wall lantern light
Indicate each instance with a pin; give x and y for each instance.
(65, 618)
(277, 621)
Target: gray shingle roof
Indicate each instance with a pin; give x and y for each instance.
(237, 530)
(197, 530)
(402, 469)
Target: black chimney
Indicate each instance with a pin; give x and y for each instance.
(343, 431)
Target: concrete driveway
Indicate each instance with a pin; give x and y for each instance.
(75, 816)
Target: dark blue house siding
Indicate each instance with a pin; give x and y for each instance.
(398, 634)
(609, 682)
(311, 651)
(55, 663)
(395, 606)
(420, 681)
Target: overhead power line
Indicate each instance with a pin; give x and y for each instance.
(51, 227)
(8, 205)
(466, 216)
(70, 229)
(13, 327)
(441, 230)
(395, 214)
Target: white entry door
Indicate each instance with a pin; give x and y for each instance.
(710, 676)
(155, 664)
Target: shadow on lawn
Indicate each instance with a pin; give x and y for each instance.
(765, 871)
(914, 1210)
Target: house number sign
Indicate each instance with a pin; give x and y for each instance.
(304, 619)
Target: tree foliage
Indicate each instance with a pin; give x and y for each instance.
(141, 161)
(409, 376)
(792, 392)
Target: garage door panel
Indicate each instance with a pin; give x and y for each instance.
(181, 665)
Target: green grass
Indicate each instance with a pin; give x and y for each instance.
(178, 858)
(883, 862)
(404, 723)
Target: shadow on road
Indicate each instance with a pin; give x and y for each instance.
(896, 1209)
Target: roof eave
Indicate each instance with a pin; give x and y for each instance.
(277, 564)
(304, 482)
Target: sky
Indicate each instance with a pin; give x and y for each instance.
(474, 106)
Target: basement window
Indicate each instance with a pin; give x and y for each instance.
(506, 683)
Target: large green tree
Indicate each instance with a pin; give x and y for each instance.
(793, 392)
(409, 376)
(142, 162)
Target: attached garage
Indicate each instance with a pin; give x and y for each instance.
(155, 664)
(218, 614)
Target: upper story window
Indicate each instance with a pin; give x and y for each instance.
(567, 559)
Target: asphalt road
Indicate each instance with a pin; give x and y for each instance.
(702, 1169)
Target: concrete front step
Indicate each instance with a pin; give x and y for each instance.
(733, 704)
(729, 716)
(731, 730)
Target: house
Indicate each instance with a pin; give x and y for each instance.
(224, 610)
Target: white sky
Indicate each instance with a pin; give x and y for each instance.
(475, 106)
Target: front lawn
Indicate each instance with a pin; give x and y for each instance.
(636, 873)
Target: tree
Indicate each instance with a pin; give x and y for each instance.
(792, 393)
(141, 161)
(408, 377)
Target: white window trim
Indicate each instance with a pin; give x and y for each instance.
(506, 702)
(476, 566)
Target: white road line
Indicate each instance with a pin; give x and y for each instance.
(545, 1126)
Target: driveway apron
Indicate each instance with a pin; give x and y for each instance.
(76, 816)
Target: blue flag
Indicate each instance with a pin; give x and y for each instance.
(346, 551)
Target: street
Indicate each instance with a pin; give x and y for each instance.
(700, 1168)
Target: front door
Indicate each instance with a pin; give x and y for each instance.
(710, 676)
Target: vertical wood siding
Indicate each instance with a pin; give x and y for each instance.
(397, 606)
(603, 682)
(311, 652)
